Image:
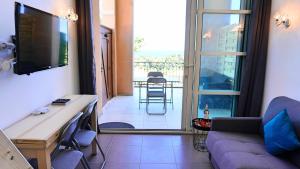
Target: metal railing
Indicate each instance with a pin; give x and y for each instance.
(171, 70)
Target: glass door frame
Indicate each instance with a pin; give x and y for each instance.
(189, 53)
(193, 58)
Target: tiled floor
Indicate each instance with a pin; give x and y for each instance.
(149, 152)
(126, 109)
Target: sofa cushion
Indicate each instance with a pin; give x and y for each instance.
(238, 151)
(293, 110)
(245, 160)
(214, 136)
(292, 107)
(279, 134)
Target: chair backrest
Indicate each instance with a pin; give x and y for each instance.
(70, 129)
(156, 84)
(155, 74)
(67, 133)
(156, 80)
(85, 118)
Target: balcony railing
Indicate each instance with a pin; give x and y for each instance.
(171, 70)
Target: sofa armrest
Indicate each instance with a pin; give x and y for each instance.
(250, 125)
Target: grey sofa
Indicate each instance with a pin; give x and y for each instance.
(237, 143)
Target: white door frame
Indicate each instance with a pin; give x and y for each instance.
(191, 12)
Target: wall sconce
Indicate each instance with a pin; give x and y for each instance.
(6, 45)
(7, 64)
(207, 35)
(282, 20)
(6, 60)
(71, 15)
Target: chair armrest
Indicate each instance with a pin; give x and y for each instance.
(250, 125)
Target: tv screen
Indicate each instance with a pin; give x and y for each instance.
(41, 40)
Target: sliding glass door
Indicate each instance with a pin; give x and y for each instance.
(218, 30)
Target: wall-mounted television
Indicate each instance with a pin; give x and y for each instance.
(41, 40)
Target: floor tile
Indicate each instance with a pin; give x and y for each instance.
(104, 140)
(155, 125)
(127, 140)
(187, 154)
(127, 151)
(129, 154)
(95, 158)
(92, 166)
(118, 165)
(126, 109)
(151, 154)
(155, 118)
(194, 166)
(158, 166)
(157, 140)
(182, 140)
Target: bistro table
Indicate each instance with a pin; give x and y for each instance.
(201, 127)
(143, 84)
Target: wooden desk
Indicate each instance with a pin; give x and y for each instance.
(36, 136)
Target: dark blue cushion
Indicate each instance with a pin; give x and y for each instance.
(85, 137)
(280, 135)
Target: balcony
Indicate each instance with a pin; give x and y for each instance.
(211, 80)
(173, 70)
(127, 108)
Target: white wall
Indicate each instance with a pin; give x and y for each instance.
(107, 13)
(20, 95)
(283, 65)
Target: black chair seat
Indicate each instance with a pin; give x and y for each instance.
(85, 137)
(155, 94)
(67, 159)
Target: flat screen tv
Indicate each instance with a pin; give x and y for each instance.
(41, 40)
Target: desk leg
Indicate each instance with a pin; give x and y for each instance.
(94, 118)
(44, 159)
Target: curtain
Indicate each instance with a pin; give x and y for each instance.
(254, 65)
(86, 60)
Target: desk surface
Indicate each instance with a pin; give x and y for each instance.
(43, 127)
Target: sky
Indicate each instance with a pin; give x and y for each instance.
(161, 23)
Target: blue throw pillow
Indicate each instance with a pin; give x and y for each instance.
(280, 135)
